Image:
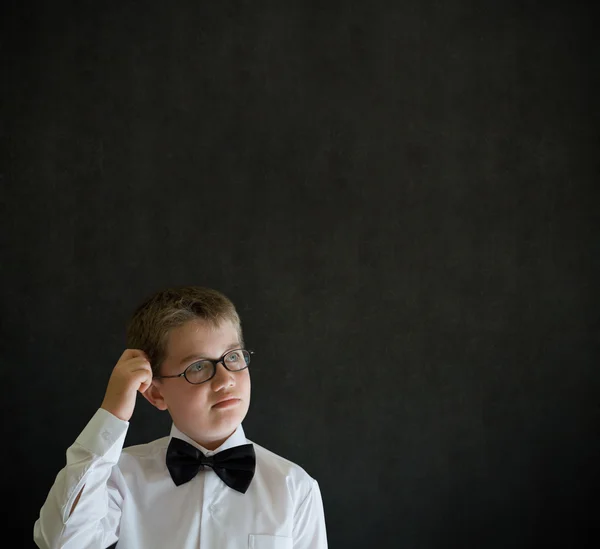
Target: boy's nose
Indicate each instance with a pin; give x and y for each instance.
(223, 378)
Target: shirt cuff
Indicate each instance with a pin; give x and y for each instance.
(104, 435)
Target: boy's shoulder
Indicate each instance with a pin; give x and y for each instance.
(147, 450)
(275, 461)
(275, 469)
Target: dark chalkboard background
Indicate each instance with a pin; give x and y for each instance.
(398, 197)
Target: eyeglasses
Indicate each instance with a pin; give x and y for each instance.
(204, 370)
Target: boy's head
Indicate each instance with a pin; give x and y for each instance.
(176, 328)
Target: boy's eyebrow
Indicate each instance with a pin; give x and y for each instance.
(194, 356)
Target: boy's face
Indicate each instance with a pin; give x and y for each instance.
(192, 407)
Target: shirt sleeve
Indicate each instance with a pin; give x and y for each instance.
(90, 466)
(309, 521)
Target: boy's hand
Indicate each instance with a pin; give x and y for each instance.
(131, 374)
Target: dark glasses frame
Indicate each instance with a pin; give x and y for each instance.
(214, 366)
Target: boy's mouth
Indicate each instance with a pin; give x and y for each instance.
(226, 403)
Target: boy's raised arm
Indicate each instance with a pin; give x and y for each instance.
(83, 507)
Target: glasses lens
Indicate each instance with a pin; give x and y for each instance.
(237, 360)
(199, 371)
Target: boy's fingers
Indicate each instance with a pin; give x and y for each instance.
(144, 386)
(133, 353)
(146, 378)
(134, 364)
(140, 364)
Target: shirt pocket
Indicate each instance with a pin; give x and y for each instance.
(264, 541)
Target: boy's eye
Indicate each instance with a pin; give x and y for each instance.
(199, 366)
(233, 357)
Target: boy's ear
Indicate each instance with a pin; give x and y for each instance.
(154, 396)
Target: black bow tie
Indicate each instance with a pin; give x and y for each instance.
(235, 466)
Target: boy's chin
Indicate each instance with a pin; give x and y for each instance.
(228, 423)
(219, 428)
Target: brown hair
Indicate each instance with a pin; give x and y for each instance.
(150, 324)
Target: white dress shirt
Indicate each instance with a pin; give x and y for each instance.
(129, 496)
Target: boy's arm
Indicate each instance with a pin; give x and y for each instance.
(309, 521)
(83, 507)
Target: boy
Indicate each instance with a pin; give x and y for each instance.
(205, 486)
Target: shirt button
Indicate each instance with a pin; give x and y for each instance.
(105, 435)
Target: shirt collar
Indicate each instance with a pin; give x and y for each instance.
(237, 438)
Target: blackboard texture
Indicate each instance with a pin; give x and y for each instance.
(399, 197)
